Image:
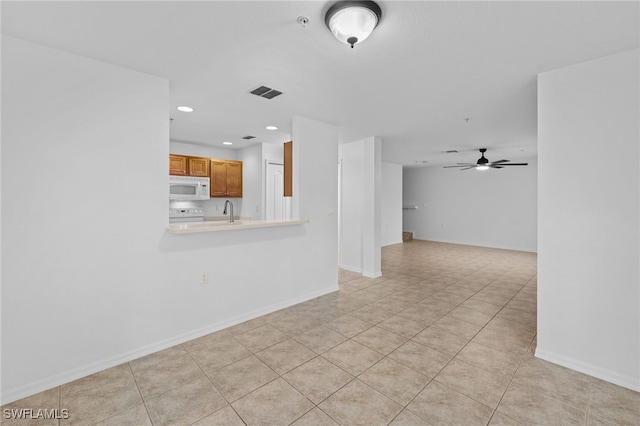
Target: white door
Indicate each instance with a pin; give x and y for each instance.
(275, 192)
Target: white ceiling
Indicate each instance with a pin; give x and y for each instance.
(427, 67)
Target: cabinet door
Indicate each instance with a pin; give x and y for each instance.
(177, 165)
(234, 179)
(218, 178)
(198, 166)
(288, 169)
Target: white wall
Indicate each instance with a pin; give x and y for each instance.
(197, 150)
(351, 205)
(252, 177)
(90, 278)
(391, 194)
(360, 206)
(589, 185)
(272, 151)
(490, 208)
(315, 197)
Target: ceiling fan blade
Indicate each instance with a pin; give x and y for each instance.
(515, 164)
(495, 167)
(446, 167)
(470, 167)
(499, 161)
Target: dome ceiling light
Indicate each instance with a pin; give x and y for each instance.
(352, 22)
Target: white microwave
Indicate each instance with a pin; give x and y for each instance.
(188, 188)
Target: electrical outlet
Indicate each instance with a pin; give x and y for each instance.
(204, 278)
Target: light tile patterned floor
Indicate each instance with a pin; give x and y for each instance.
(445, 337)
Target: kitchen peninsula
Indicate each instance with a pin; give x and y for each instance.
(219, 225)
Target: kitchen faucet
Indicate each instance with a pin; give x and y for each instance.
(228, 203)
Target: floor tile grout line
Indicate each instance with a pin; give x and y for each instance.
(150, 397)
(419, 297)
(589, 402)
(278, 376)
(328, 396)
(511, 380)
(329, 415)
(214, 386)
(144, 402)
(433, 378)
(60, 400)
(522, 359)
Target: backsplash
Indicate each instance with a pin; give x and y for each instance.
(212, 207)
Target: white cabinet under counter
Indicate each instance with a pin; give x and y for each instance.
(218, 225)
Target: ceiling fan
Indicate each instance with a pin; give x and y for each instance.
(484, 164)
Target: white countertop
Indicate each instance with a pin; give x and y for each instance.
(219, 225)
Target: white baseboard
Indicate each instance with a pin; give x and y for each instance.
(614, 377)
(463, 243)
(368, 274)
(32, 388)
(351, 268)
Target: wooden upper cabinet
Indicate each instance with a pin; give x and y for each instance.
(218, 178)
(288, 169)
(177, 165)
(198, 166)
(234, 179)
(225, 175)
(184, 165)
(226, 178)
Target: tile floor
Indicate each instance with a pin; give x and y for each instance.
(445, 336)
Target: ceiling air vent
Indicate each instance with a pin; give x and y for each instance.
(271, 94)
(266, 92)
(248, 137)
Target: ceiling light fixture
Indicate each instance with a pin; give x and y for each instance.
(227, 143)
(271, 128)
(184, 108)
(482, 163)
(352, 22)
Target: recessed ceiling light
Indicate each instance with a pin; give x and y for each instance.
(271, 128)
(227, 143)
(184, 108)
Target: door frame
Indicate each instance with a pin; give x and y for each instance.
(264, 185)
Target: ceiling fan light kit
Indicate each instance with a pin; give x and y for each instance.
(351, 22)
(484, 164)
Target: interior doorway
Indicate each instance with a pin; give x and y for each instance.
(276, 203)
